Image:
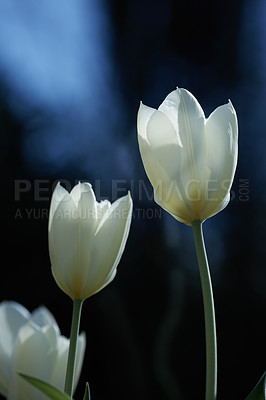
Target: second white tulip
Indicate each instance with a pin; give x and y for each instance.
(86, 239)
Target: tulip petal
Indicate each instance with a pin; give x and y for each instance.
(193, 168)
(43, 317)
(161, 155)
(151, 164)
(84, 198)
(187, 117)
(81, 347)
(170, 107)
(58, 195)
(143, 118)
(12, 317)
(32, 345)
(108, 245)
(169, 192)
(221, 135)
(163, 140)
(102, 208)
(59, 371)
(209, 210)
(63, 236)
(176, 158)
(180, 211)
(87, 224)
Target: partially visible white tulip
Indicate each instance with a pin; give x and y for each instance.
(190, 160)
(86, 239)
(32, 344)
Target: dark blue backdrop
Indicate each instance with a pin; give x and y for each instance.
(72, 74)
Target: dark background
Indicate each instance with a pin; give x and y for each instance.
(72, 74)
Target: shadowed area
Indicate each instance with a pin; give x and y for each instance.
(72, 75)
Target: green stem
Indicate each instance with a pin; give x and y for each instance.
(70, 373)
(208, 302)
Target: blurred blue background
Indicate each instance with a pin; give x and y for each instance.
(72, 74)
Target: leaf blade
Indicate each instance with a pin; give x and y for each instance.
(259, 391)
(46, 388)
(87, 395)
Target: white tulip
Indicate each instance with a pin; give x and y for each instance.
(190, 160)
(86, 239)
(32, 344)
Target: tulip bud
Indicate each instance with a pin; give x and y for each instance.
(32, 344)
(190, 160)
(86, 239)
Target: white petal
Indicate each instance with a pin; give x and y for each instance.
(143, 118)
(193, 170)
(102, 208)
(33, 355)
(88, 224)
(222, 135)
(12, 317)
(209, 209)
(176, 206)
(71, 228)
(83, 196)
(61, 209)
(160, 150)
(174, 154)
(59, 369)
(161, 155)
(78, 264)
(108, 245)
(63, 238)
(163, 141)
(170, 107)
(81, 346)
(87, 207)
(59, 194)
(42, 317)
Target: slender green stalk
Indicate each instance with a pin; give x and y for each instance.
(70, 373)
(208, 302)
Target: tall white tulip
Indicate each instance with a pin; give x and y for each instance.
(86, 239)
(189, 159)
(32, 344)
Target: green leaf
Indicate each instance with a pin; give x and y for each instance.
(46, 388)
(87, 395)
(259, 391)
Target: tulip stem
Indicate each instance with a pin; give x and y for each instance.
(71, 361)
(209, 312)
